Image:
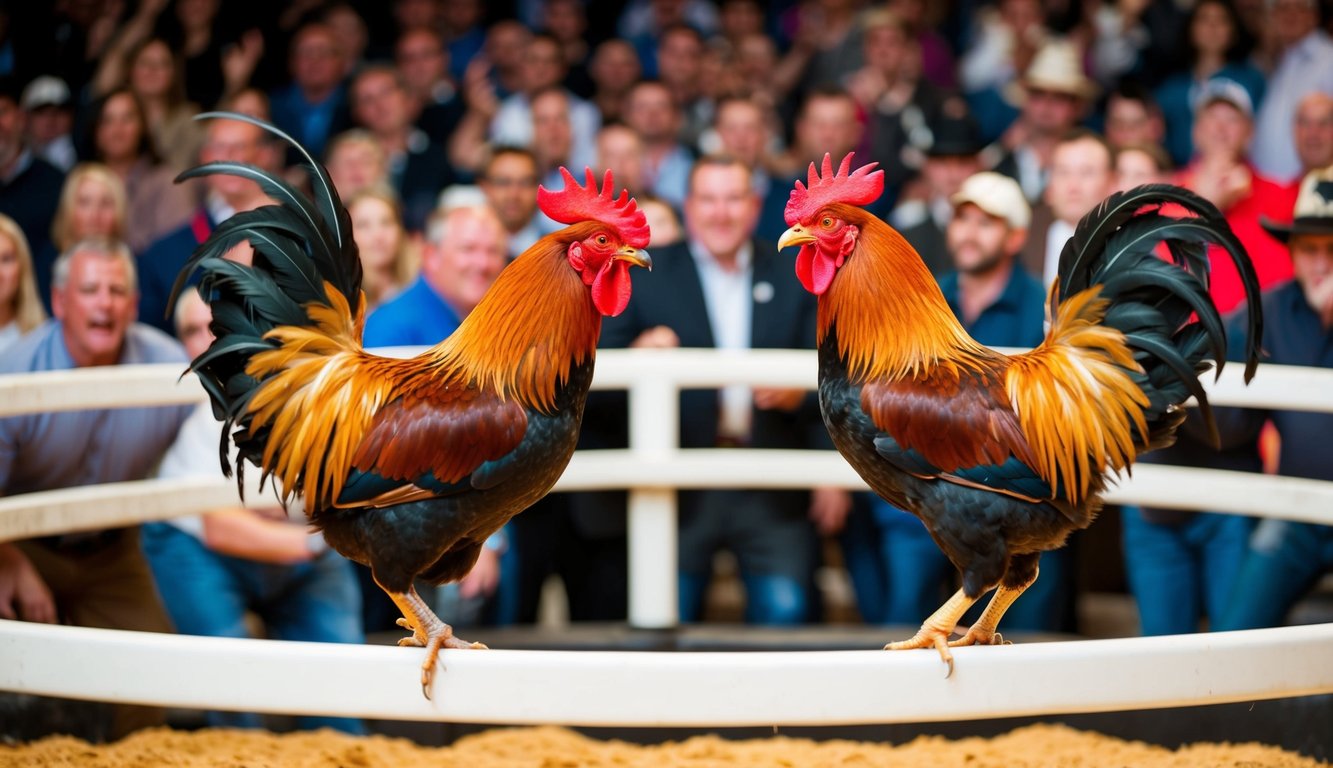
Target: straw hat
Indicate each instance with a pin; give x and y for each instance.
(1058, 67)
(1314, 208)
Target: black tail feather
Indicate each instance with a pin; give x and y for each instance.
(1164, 310)
(302, 246)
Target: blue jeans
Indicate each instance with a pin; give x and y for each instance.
(1182, 572)
(770, 598)
(1284, 560)
(209, 594)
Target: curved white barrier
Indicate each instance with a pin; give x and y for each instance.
(668, 689)
(715, 689)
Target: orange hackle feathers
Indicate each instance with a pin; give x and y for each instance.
(575, 204)
(1075, 399)
(326, 396)
(860, 187)
(905, 328)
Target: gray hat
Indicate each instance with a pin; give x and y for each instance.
(45, 91)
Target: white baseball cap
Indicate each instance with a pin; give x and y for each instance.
(997, 195)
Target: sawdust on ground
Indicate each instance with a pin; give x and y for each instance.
(549, 747)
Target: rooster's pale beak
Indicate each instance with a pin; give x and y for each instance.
(795, 236)
(636, 256)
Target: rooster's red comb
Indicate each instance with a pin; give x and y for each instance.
(577, 203)
(858, 188)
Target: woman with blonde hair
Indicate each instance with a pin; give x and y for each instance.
(92, 204)
(20, 307)
(388, 257)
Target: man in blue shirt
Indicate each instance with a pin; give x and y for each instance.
(1286, 558)
(1001, 305)
(87, 578)
(464, 253)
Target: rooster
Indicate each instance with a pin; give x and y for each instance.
(407, 466)
(1003, 456)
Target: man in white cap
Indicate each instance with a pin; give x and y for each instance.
(1000, 305)
(1286, 558)
(46, 100)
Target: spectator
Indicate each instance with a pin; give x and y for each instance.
(157, 81)
(662, 222)
(423, 63)
(825, 46)
(225, 195)
(418, 168)
(465, 36)
(213, 569)
(50, 121)
(680, 56)
(1313, 129)
(349, 29)
(937, 65)
(506, 46)
(756, 59)
(89, 578)
(614, 69)
(313, 107)
(1216, 46)
(999, 304)
(1304, 66)
(1005, 44)
(652, 113)
(952, 157)
(20, 307)
(1133, 117)
(463, 254)
(1182, 564)
(898, 101)
(356, 160)
(644, 23)
(29, 186)
(92, 205)
(553, 143)
(1285, 558)
(215, 68)
(1220, 172)
(1056, 94)
(544, 69)
(567, 22)
(828, 122)
(1139, 164)
(509, 181)
(620, 150)
(1082, 175)
(122, 142)
(723, 289)
(741, 127)
(388, 258)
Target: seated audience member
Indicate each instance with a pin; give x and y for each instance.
(356, 161)
(651, 112)
(388, 255)
(92, 205)
(1313, 129)
(225, 195)
(923, 214)
(50, 113)
(418, 167)
(1139, 164)
(29, 186)
(213, 569)
(509, 179)
(1285, 558)
(87, 578)
(1081, 177)
(312, 107)
(121, 140)
(20, 307)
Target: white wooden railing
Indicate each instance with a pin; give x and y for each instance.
(655, 688)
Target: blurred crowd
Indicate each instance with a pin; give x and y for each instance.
(999, 125)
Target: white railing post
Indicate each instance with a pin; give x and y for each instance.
(653, 437)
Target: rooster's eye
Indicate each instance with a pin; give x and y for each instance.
(827, 222)
(601, 239)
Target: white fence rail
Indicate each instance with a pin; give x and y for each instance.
(650, 688)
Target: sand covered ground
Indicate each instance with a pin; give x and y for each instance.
(1030, 747)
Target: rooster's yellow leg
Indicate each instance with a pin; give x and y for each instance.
(936, 630)
(983, 632)
(428, 631)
